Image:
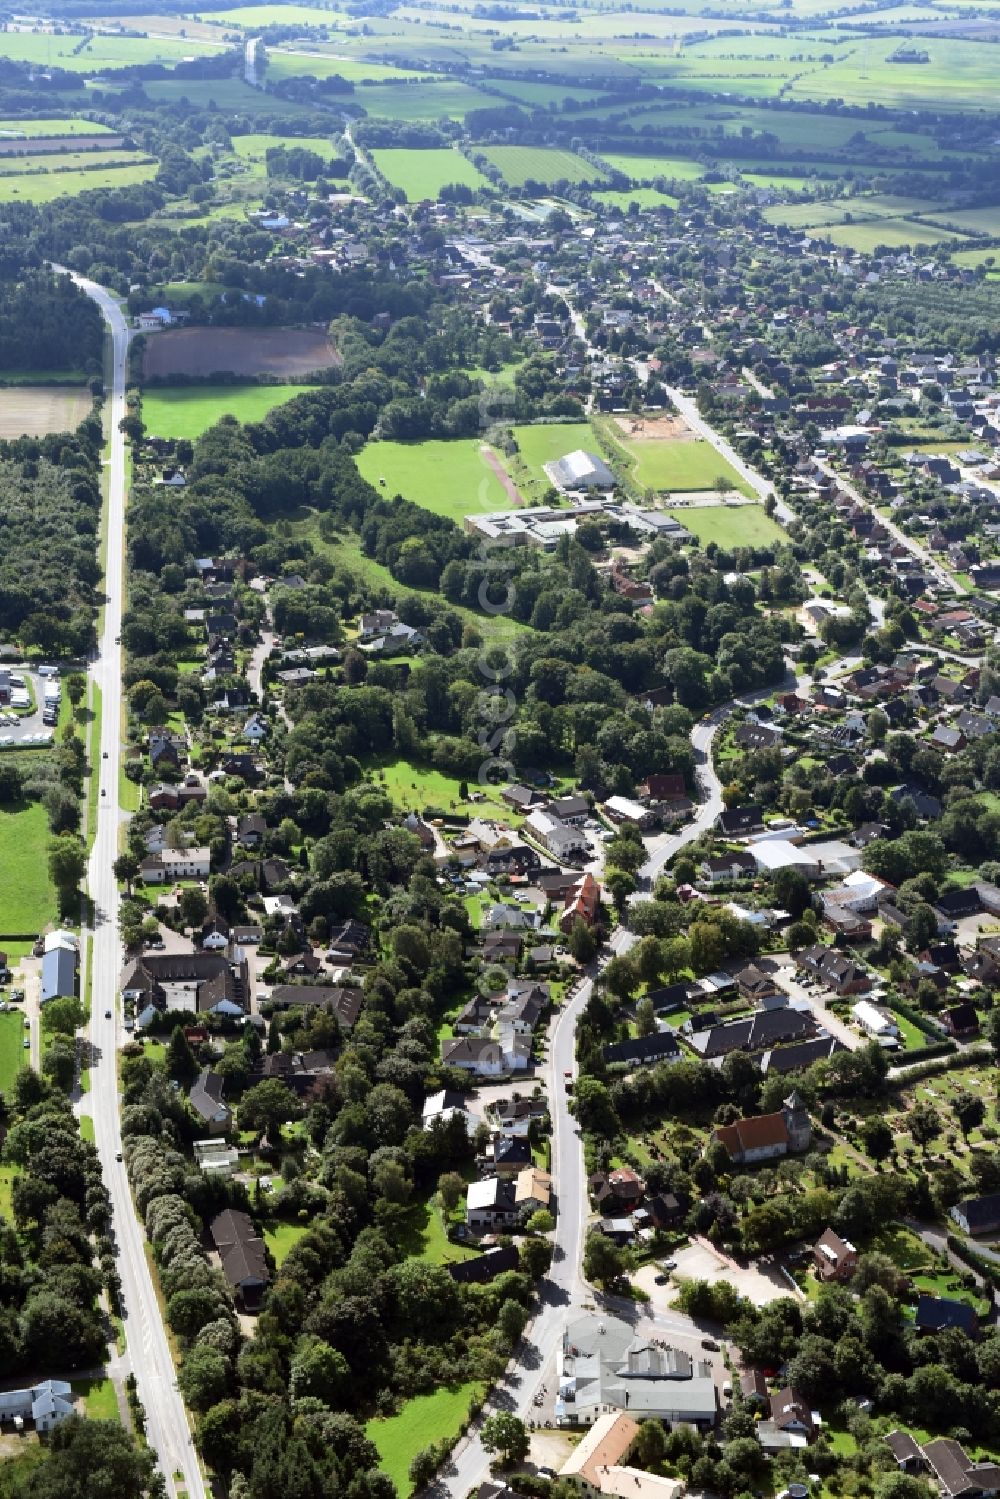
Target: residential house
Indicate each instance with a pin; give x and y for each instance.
(532, 1191)
(740, 822)
(960, 1021)
(45, 1405)
(490, 1204)
(620, 1188)
(727, 869)
(484, 1057)
(837, 971)
(758, 1032)
(644, 1051)
(511, 1154)
(909, 1458)
(344, 1001)
(978, 1215)
(582, 903)
(216, 1157)
(937, 1313)
(59, 966)
(834, 1258)
(877, 1020)
(958, 1475)
(172, 864)
(556, 837)
(241, 1251)
(206, 1099)
(790, 1411)
(200, 981)
(623, 809)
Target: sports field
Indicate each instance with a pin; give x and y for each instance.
(546, 165)
(27, 898)
(190, 410)
(679, 464)
(730, 525)
(34, 410)
(422, 174)
(447, 478)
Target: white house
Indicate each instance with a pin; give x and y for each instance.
(557, 837)
(45, 1404)
(875, 1020)
(176, 864)
(624, 809)
(256, 729)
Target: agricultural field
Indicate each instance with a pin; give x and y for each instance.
(12, 1053)
(850, 210)
(189, 410)
(544, 95)
(240, 351)
(971, 220)
(44, 187)
(646, 168)
(427, 101)
(730, 525)
(27, 898)
(24, 129)
(254, 148)
(971, 258)
(645, 197)
(34, 410)
(24, 163)
(252, 17)
(422, 174)
(423, 1420)
(230, 95)
(313, 64)
(959, 75)
(674, 465)
(545, 165)
(99, 53)
(452, 478)
(892, 233)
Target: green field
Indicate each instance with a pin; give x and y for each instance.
(449, 478)
(414, 788)
(893, 233)
(99, 53)
(973, 220)
(72, 161)
(959, 75)
(730, 525)
(677, 465)
(426, 101)
(27, 128)
(646, 168)
(546, 165)
(281, 1239)
(45, 187)
(252, 17)
(548, 442)
(189, 410)
(27, 899)
(254, 148)
(971, 258)
(646, 197)
(422, 174)
(99, 1398)
(12, 1052)
(422, 1420)
(229, 95)
(314, 65)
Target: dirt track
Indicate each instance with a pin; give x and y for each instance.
(511, 489)
(648, 428)
(238, 351)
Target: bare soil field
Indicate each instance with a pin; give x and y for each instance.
(32, 411)
(512, 491)
(239, 351)
(639, 428)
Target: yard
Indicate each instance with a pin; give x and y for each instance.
(730, 525)
(12, 1052)
(27, 898)
(190, 410)
(281, 1239)
(448, 478)
(99, 1398)
(423, 1420)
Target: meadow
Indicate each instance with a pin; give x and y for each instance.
(189, 410)
(421, 1421)
(24, 162)
(45, 187)
(730, 525)
(414, 788)
(23, 129)
(255, 147)
(959, 75)
(646, 168)
(315, 65)
(422, 174)
(252, 17)
(449, 478)
(12, 1053)
(645, 197)
(678, 464)
(34, 410)
(892, 233)
(972, 220)
(229, 94)
(99, 53)
(519, 165)
(428, 101)
(27, 898)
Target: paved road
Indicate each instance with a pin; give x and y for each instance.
(688, 409)
(944, 578)
(167, 1425)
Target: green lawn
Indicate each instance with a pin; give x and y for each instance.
(422, 174)
(12, 1052)
(422, 1420)
(282, 1238)
(27, 898)
(7, 1175)
(414, 787)
(545, 444)
(188, 411)
(906, 1251)
(676, 464)
(100, 1400)
(87, 1128)
(730, 525)
(447, 478)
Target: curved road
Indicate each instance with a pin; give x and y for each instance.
(167, 1427)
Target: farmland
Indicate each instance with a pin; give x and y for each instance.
(422, 174)
(546, 165)
(680, 464)
(645, 197)
(241, 351)
(189, 410)
(45, 187)
(730, 525)
(431, 101)
(254, 148)
(893, 233)
(33, 410)
(27, 899)
(51, 127)
(447, 478)
(47, 160)
(99, 52)
(646, 168)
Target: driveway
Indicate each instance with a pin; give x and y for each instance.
(817, 1001)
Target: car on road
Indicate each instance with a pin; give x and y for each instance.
(118, 1155)
(107, 1014)
(26, 1044)
(668, 1265)
(660, 1280)
(710, 1344)
(105, 755)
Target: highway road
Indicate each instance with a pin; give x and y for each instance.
(167, 1427)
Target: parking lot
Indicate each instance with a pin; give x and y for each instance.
(759, 1283)
(21, 729)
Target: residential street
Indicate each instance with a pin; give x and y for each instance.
(167, 1425)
